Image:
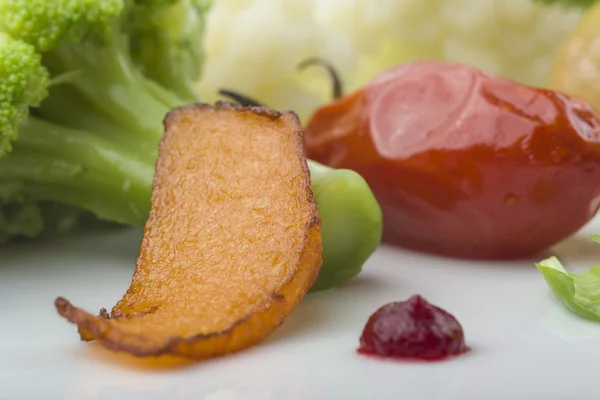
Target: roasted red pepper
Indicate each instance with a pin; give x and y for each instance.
(464, 163)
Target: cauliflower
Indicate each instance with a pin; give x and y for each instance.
(513, 38)
(254, 46)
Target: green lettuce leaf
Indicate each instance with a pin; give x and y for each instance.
(579, 292)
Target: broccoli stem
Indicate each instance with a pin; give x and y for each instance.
(73, 110)
(184, 88)
(107, 77)
(82, 169)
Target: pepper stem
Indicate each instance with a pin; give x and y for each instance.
(337, 87)
(240, 98)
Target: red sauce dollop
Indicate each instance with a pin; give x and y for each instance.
(412, 329)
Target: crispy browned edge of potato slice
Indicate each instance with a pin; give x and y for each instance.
(245, 332)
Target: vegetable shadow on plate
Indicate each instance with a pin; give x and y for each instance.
(115, 242)
(96, 352)
(315, 311)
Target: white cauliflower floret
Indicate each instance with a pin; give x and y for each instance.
(514, 38)
(255, 46)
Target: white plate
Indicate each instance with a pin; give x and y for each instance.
(524, 344)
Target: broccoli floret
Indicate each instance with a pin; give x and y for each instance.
(80, 116)
(170, 47)
(33, 219)
(46, 23)
(24, 86)
(87, 42)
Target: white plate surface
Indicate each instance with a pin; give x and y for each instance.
(525, 345)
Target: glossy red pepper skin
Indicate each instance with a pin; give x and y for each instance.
(464, 163)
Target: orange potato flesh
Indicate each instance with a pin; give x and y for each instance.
(232, 244)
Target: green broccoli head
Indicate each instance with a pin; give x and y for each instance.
(25, 218)
(44, 23)
(80, 116)
(170, 47)
(25, 86)
(154, 4)
(143, 14)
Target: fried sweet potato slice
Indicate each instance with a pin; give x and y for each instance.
(232, 244)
